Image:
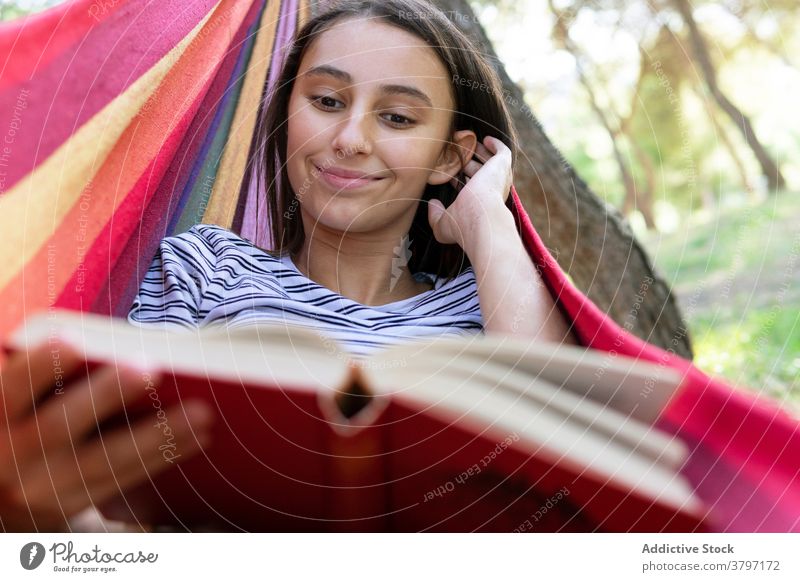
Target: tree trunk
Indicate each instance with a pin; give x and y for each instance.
(590, 241)
(769, 168)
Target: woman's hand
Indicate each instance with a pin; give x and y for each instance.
(53, 462)
(480, 201)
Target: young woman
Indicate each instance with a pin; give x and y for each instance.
(385, 153)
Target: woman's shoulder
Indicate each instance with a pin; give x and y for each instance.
(209, 233)
(212, 239)
(464, 278)
(206, 250)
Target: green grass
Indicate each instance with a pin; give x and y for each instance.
(737, 279)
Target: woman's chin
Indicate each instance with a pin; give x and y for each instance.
(348, 220)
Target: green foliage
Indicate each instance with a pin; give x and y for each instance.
(10, 12)
(675, 119)
(736, 278)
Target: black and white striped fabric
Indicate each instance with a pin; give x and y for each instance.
(211, 276)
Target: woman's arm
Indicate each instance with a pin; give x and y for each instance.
(514, 299)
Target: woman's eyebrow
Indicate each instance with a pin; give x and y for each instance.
(408, 91)
(345, 77)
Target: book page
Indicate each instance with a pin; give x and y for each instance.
(606, 422)
(267, 355)
(635, 388)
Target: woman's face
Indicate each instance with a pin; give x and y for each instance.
(369, 116)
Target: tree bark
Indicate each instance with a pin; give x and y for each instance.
(769, 168)
(589, 239)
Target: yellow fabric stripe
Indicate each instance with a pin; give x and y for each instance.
(303, 15)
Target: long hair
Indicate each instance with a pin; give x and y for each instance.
(479, 106)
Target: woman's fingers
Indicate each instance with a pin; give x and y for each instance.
(472, 168)
(130, 456)
(82, 407)
(483, 155)
(111, 463)
(27, 376)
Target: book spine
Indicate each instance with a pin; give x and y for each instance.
(359, 496)
(359, 499)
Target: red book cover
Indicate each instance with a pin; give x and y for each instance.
(343, 452)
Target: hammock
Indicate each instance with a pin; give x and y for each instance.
(128, 121)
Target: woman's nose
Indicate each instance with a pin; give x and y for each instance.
(353, 134)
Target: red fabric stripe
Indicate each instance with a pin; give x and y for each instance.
(108, 245)
(186, 76)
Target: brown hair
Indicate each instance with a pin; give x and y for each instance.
(479, 106)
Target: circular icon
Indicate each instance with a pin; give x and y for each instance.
(31, 555)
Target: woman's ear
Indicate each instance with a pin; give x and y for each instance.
(456, 154)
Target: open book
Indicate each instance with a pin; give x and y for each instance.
(486, 433)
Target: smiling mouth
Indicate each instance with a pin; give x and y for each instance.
(345, 183)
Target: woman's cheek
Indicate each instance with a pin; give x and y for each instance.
(414, 163)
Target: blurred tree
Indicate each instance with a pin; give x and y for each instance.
(750, 14)
(635, 197)
(645, 201)
(702, 58)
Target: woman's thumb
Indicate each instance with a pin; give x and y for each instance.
(435, 211)
(441, 230)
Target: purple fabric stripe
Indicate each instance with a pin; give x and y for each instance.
(255, 206)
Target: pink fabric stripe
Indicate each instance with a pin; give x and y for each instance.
(109, 244)
(86, 77)
(31, 42)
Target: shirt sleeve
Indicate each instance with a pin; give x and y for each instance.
(171, 293)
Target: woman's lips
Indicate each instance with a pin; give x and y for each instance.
(344, 183)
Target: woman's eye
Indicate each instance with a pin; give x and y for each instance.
(324, 101)
(399, 120)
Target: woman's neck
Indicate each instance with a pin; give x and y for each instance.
(369, 272)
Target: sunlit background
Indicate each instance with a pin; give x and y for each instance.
(619, 89)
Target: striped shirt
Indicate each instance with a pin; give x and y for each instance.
(211, 276)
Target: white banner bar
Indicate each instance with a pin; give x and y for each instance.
(401, 557)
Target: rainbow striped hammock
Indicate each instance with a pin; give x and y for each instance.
(124, 121)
